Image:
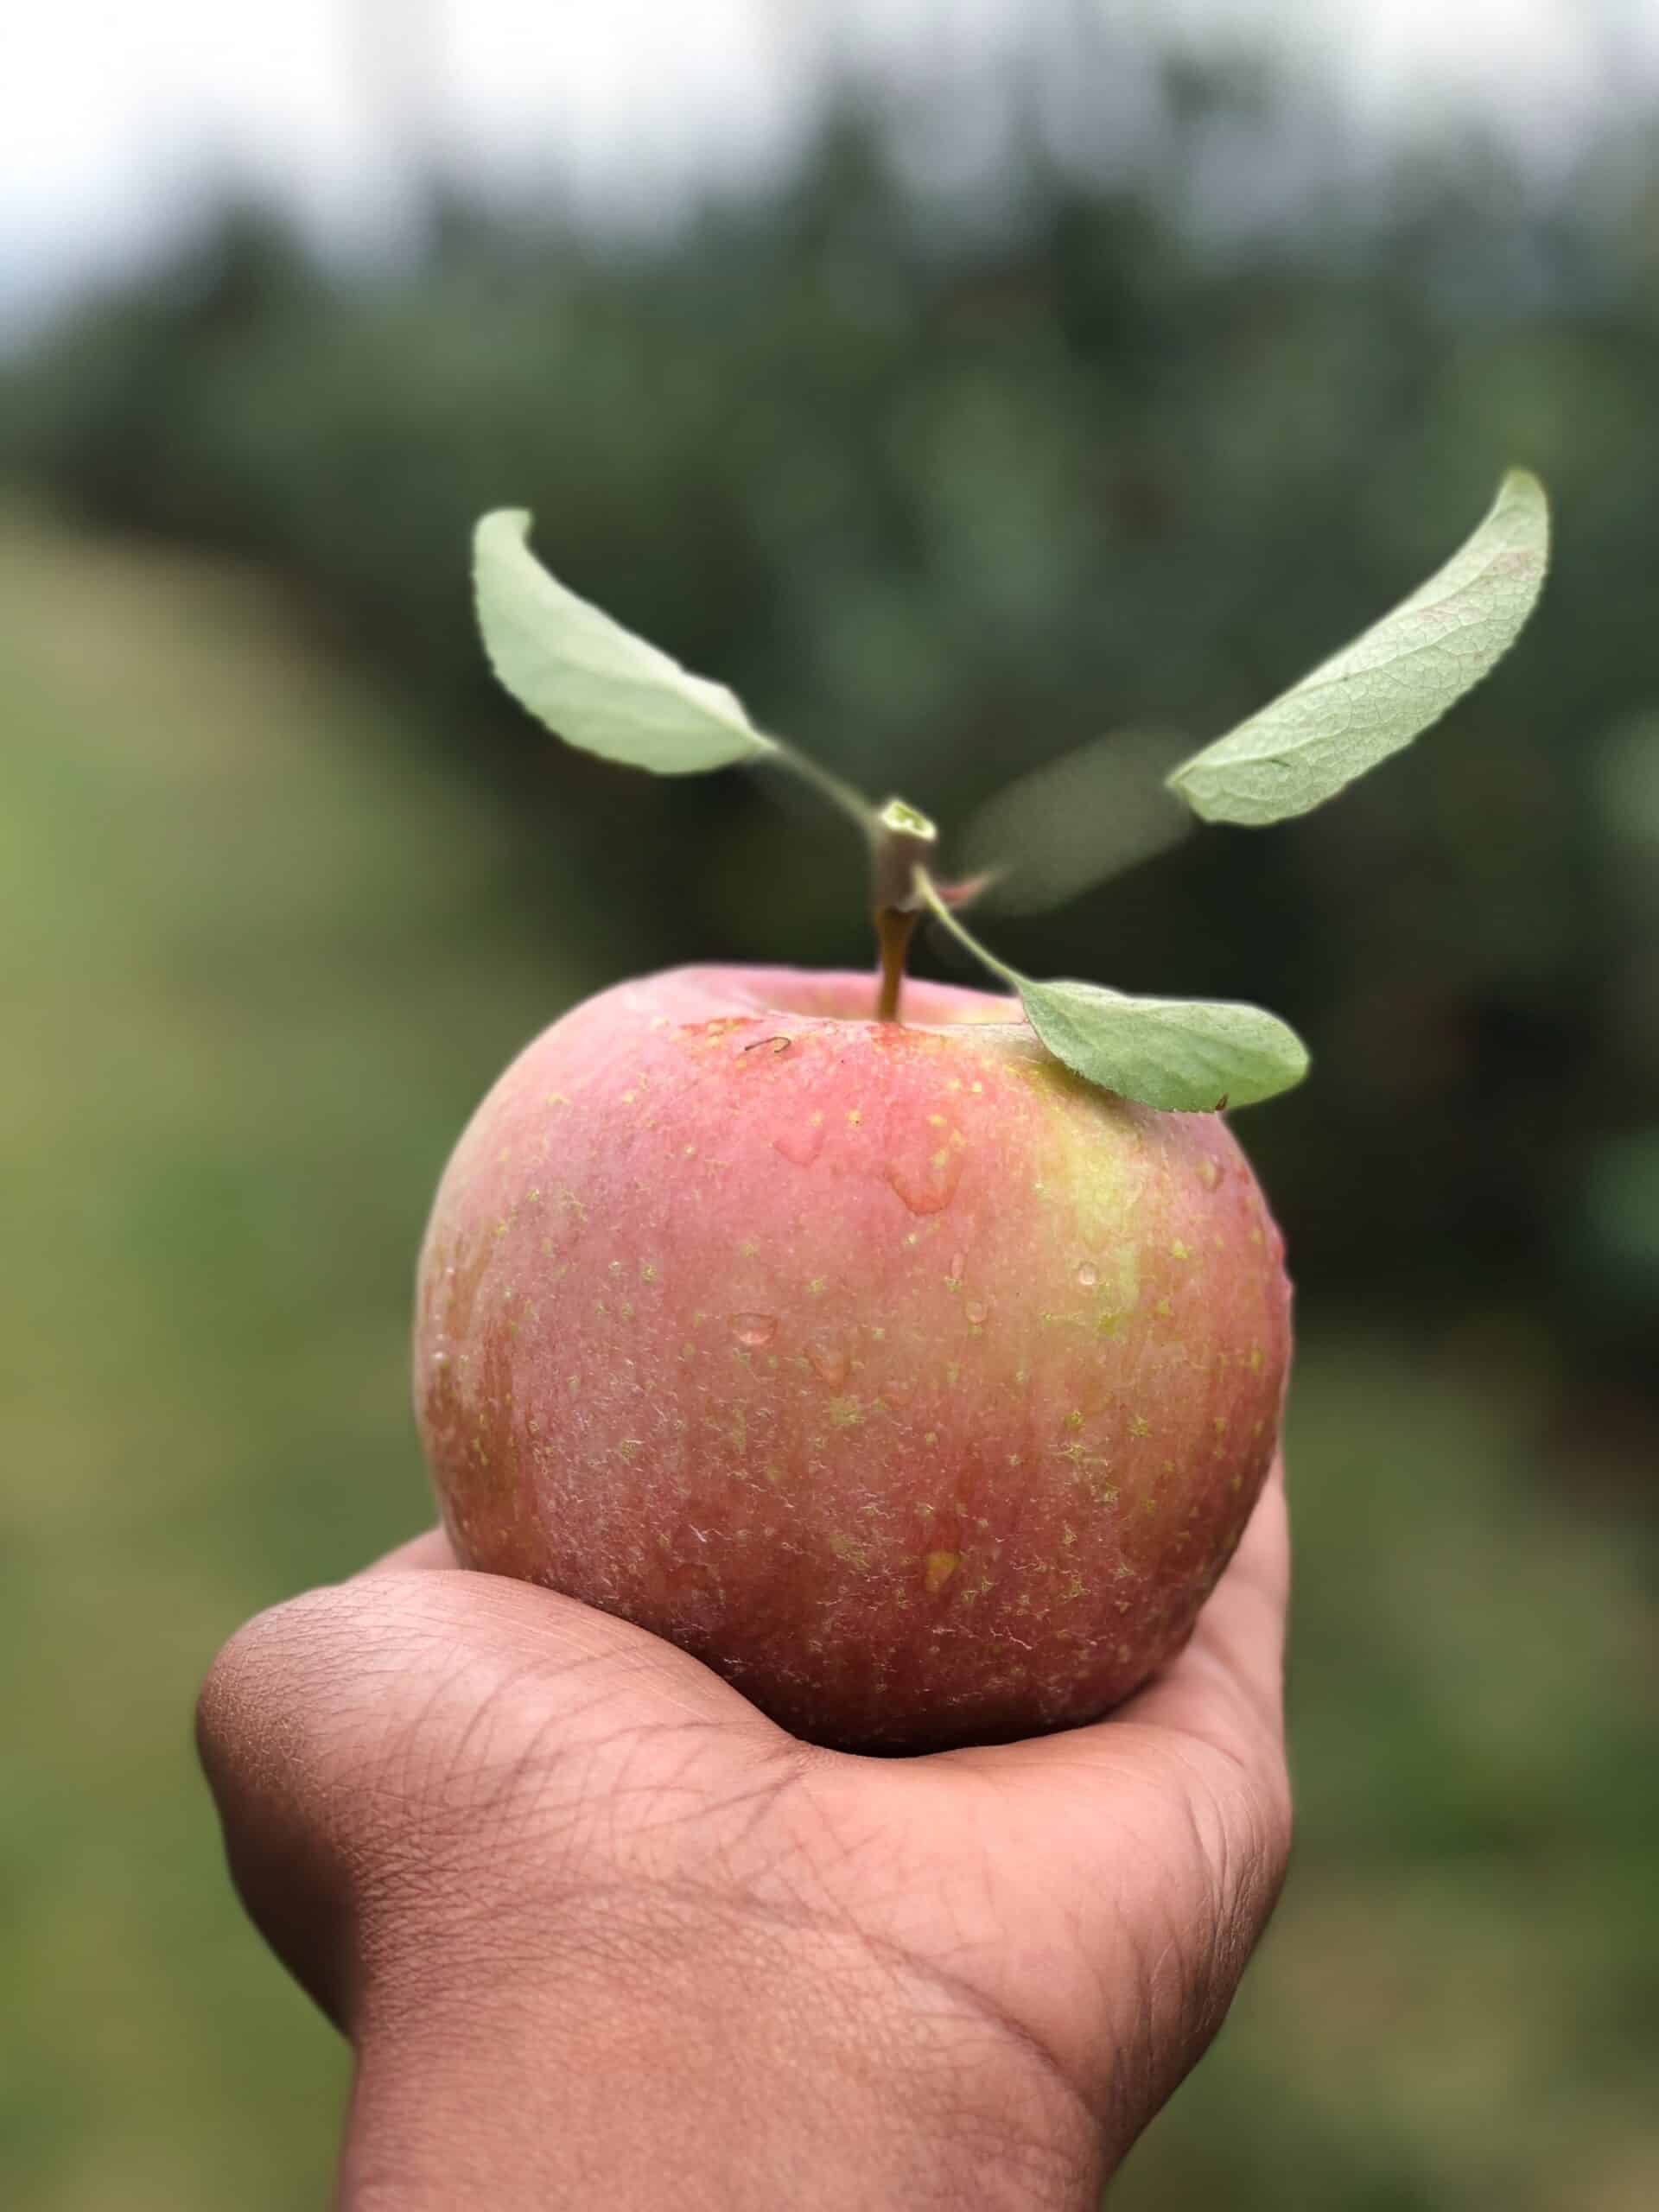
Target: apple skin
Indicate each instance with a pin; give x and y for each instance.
(920, 1388)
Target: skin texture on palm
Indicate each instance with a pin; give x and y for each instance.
(595, 1923)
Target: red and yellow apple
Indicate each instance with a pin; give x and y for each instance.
(917, 1385)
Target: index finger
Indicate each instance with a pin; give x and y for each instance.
(1228, 1685)
(432, 1549)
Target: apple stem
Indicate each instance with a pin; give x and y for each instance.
(900, 840)
(894, 931)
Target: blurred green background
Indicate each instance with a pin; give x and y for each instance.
(944, 483)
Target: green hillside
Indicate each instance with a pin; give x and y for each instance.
(255, 975)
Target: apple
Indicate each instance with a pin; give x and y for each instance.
(914, 1355)
(917, 1385)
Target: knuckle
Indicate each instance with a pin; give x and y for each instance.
(277, 1703)
(249, 1670)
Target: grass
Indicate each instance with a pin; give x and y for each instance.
(255, 974)
(258, 965)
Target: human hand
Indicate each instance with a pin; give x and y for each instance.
(601, 1933)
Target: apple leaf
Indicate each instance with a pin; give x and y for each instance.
(1074, 822)
(1188, 1056)
(592, 682)
(1184, 1056)
(1378, 693)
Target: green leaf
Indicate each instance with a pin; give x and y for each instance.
(1188, 1056)
(1184, 1056)
(1389, 686)
(591, 681)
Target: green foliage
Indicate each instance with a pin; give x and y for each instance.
(611, 693)
(1372, 698)
(588, 679)
(1192, 1056)
(259, 967)
(943, 492)
(1189, 1056)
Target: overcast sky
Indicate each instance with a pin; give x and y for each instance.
(116, 120)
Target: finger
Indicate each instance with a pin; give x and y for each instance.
(1213, 1716)
(1165, 1828)
(1226, 1686)
(432, 1549)
(358, 1739)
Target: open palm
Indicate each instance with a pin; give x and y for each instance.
(423, 1744)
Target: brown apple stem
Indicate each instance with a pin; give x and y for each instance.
(894, 931)
(901, 842)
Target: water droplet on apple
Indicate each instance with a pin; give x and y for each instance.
(801, 1143)
(978, 1311)
(828, 1364)
(754, 1329)
(927, 1180)
(1088, 1275)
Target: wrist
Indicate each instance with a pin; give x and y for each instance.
(655, 2051)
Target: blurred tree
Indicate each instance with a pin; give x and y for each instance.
(944, 489)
